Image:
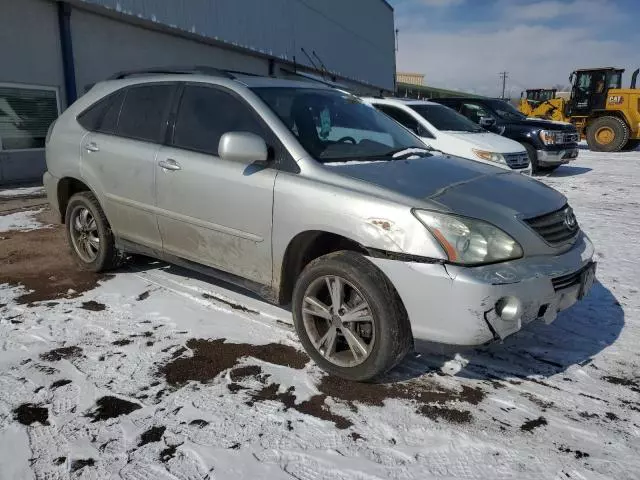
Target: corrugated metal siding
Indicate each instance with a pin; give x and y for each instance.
(354, 38)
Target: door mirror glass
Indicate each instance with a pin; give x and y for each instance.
(487, 121)
(242, 147)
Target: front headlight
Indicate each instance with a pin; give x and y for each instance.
(548, 137)
(490, 156)
(468, 241)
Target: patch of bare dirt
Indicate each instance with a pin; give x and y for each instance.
(93, 306)
(211, 357)
(315, 406)
(40, 260)
(530, 425)
(58, 354)
(28, 413)
(112, 407)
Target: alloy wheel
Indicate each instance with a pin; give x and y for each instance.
(339, 321)
(84, 234)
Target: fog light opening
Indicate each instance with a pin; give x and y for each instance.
(509, 309)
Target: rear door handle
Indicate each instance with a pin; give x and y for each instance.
(170, 164)
(91, 147)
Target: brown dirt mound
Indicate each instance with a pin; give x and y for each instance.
(211, 357)
(40, 261)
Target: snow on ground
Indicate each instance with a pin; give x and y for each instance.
(22, 221)
(21, 192)
(113, 383)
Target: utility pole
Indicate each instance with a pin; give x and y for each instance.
(504, 76)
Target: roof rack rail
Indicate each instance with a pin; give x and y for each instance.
(193, 70)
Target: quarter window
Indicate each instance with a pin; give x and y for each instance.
(103, 115)
(206, 113)
(25, 116)
(473, 112)
(144, 112)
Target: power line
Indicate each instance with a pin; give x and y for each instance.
(504, 76)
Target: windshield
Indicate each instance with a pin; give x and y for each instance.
(446, 119)
(336, 126)
(505, 110)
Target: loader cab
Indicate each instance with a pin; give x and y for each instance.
(589, 89)
(539, 95)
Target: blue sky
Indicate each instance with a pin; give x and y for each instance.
(464, 44)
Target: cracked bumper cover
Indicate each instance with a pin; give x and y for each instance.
(455, 305)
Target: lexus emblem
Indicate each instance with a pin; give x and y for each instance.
(570, 220)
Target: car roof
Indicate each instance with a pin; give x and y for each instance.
(401, 101)
(224, 78)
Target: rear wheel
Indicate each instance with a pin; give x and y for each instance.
(89, 234)
(349, 317)
(607, 134)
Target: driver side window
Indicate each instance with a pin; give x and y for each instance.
(473, 112)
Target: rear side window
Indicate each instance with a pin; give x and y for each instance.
(103, 115)
(144, 112)
(206, 113)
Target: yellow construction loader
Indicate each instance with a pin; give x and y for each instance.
(606, 114)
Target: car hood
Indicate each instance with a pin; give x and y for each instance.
(544, 124)
(458, 185)
(486, 141)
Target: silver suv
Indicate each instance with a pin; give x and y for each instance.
(312, 198)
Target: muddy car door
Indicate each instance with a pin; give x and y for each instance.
(214, 211)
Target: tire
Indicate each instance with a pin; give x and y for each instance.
(612, 129)
(533, 157)
(107, 257)
(388, 334)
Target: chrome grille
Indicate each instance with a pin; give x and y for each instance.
(569, 280)
(567, 137)
(556, 227)
(517, 161)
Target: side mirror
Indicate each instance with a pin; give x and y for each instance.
(242, 147)
(487, 122)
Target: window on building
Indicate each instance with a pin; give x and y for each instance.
(25, 116)
(144, 111)
(205, 114)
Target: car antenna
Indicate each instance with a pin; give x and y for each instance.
(324, 67)
(311, 60)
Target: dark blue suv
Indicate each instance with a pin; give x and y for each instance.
(548, 143)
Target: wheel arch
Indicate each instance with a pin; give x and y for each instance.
(304, 248)
(67, 187)
(596, 114)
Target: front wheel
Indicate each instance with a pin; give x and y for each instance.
(533, 157)
(349, 317)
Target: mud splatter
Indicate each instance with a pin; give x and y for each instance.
(241, 373)
(530, 425)
(59, 383)
(211, 357)
(168, 453)
(233, 305)
(154, 434)
(111, 407)
(122, 343)
(143, 296)
(58, 354)
(93, 306)
(79, 464)
(28, 413)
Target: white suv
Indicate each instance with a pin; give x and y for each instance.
(445, 130)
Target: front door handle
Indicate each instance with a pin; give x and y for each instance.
(170, 164)
(92, 147)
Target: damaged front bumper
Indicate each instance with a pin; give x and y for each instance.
(466, 305)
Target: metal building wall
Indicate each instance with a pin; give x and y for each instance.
(353, 38)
